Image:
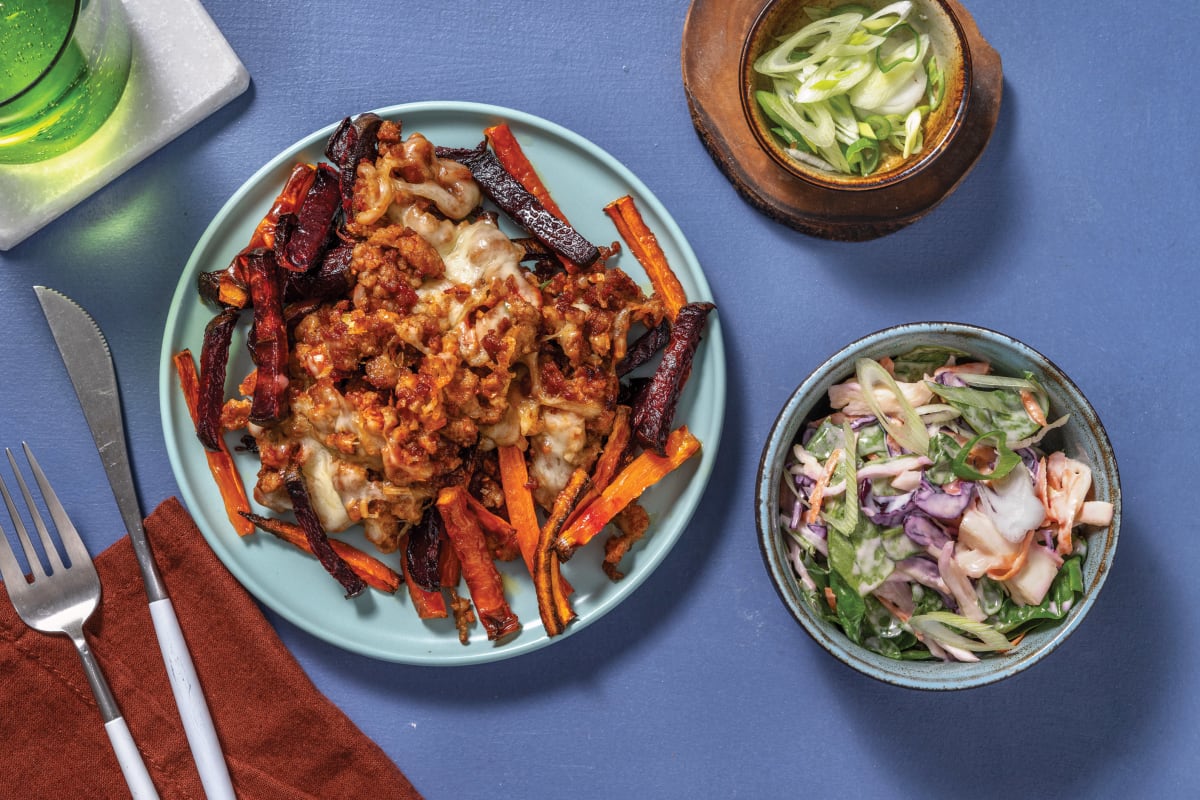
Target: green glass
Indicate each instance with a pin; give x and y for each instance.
(63, 67)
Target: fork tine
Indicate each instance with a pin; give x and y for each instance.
(10, 569)
(51, 550)
(76, 551)
(35, 563)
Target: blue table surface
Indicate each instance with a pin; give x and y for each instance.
(1075, 233)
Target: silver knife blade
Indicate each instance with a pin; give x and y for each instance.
(90, 367)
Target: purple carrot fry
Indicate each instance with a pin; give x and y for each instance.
(330, 279)
(353, 141)
(517, 202)
(313, 220)
(214, 359)
(318, 541)
(644, 348)
(654, 408)
(268, 339)
(423, 554)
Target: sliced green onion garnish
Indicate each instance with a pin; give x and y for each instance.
(1005, 459)
(913, 138)
(863, 155)
(937, 83)
(818, 38)
(944, 626)
(842, 74)
(835, 77)
(880, 126)
(903, 52)
(909, 430)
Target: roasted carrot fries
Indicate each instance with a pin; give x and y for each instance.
(508, 151)
(428, 605)
(373, 571)
(644, 245)
(522, 515)
(220, 461)
(641, 473)
(478, 569)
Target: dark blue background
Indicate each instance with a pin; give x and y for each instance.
(1075, 233)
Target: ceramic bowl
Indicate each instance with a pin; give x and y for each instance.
(1083, 438)
(937, 18)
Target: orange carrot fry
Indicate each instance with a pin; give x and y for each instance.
(495, 527)
(640, 474)
(553, 605)
(294, 191)
(483, 580)
(449, 570)
(514, 480)
(513, 158)
(220, 462)
(644, 245)
(428, 605)
(373, 571)
(616, 449)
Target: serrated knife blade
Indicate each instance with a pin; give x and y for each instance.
(89, 364)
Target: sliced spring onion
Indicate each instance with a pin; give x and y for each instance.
(879, 126)
(913, 138)
(1005, 459)
(909, 430)
(812, 160)
(813, 121)
(816, 39)
(860, 43)
(897, 91)
(1037, 437)
(863, 155)
(844, 73)
(844, 122)
(835, 77)
(937, 83)
(944, 628)
(890, 56)
(888, 17)
(937, 412)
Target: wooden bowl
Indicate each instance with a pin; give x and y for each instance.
(715, 39)
(948, 45)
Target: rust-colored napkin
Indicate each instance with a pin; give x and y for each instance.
(282, 738)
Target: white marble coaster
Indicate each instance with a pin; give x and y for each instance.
(182, 71)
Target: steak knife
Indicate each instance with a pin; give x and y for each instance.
(90, 367)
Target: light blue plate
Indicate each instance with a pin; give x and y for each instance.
(583, 179)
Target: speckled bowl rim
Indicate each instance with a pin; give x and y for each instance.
(1084, 430)
(878, 180)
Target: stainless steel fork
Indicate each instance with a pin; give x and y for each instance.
(61, 600)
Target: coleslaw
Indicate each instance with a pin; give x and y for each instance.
(922, 516)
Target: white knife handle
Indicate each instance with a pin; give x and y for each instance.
(189, 697)
(132, 766)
